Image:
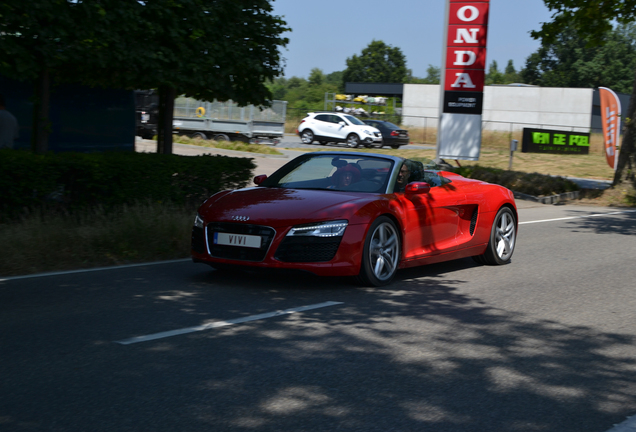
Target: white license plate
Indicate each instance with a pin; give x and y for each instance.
(226, 239)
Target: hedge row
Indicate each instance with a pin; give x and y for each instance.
(79, 180)
(528, 183)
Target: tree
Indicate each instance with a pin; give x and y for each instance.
(494, 75)
(592, 21)
(378, 63)
(207, 49)
(510, 74)
(304, 95)
(335, 79)
(432, 76)
(316, 77)
(570, 62)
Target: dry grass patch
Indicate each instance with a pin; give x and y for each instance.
(228, 145)
(50, 241)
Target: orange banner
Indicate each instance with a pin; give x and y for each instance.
(611, 119)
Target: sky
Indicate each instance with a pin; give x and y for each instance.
(326, 32)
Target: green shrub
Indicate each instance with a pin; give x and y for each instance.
(528, 183)
(78, 180)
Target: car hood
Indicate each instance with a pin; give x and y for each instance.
(283, 207)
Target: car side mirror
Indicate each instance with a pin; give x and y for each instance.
(417, 188)
(259, 179)
(342, 123)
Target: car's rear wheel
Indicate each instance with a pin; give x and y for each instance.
(307, 136)
(323, 142)
(395, 146)
(381, 254)
(221, 137)
(353, 140)
(503, 237)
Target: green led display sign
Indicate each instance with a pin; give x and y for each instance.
(556, 142)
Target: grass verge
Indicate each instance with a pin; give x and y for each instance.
(228, 145)
(43, 241)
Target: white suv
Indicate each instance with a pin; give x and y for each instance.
(336, 127)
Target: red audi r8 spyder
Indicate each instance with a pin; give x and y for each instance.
(356, 214)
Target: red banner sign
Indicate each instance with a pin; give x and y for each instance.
(466, 51)
(611, 119)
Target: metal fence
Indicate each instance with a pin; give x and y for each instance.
(496, 125)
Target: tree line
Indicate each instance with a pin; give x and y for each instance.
(567, 61)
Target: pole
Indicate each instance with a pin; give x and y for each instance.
(513, 148)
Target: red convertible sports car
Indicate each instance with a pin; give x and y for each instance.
(355, 214)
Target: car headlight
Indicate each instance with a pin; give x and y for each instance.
(320, 229)
(368, 132)
(198, 221)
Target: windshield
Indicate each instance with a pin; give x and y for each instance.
(334, 172)
(354, 120)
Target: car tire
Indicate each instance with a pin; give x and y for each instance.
(353, 140)
(221, 137)
(323, 142)
(307, 136)
(381, 254)
(200, 135)
(395, 146)
(503, 237)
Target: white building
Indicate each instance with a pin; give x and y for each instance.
(508, 107)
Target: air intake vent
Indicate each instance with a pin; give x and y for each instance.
(473, 220)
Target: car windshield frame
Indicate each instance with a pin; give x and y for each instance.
(323, 171)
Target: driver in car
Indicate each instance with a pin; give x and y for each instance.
(403, 178)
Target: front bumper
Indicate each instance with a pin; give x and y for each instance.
(282, 254)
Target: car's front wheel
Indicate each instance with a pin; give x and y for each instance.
(307, 136)
(353, 140)
(381, 254)
(503, 237)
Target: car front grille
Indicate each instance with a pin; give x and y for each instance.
(238, 252)
(307, 249)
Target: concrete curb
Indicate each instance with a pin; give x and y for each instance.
(552, 199)
(628, 425)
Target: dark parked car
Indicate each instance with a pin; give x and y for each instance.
(392, 135)
(147, 113)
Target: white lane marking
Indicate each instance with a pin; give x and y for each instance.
(578, 217)
(217, 324)
(61, 273)
(628, 425)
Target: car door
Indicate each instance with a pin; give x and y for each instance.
(324, 127)
(339, 131)
(431, 219)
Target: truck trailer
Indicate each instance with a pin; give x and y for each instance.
(226, 121)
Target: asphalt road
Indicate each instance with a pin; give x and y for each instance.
(546, 343)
